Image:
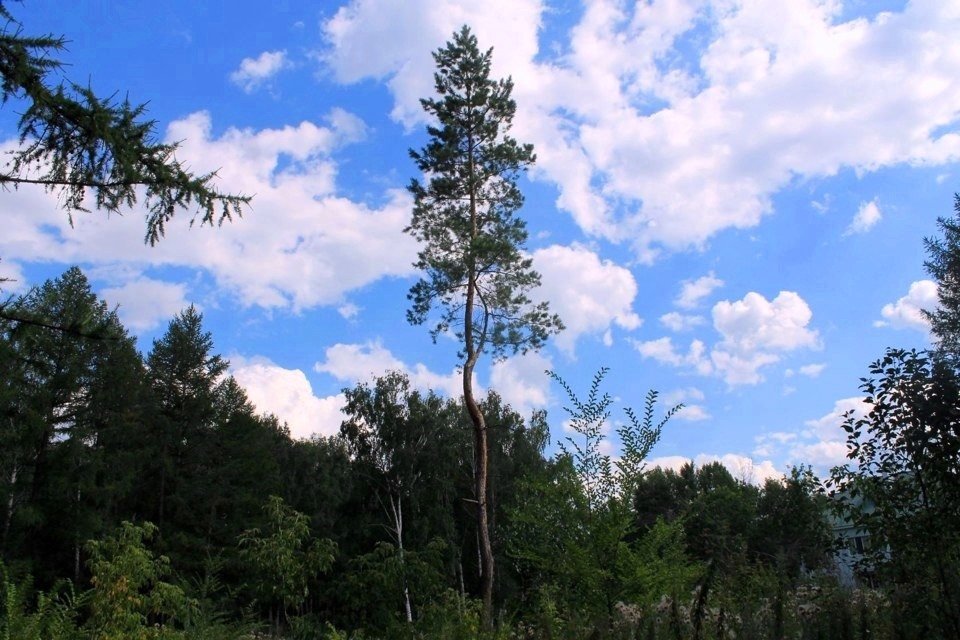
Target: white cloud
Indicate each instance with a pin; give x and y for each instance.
(740, 467)
(393, 42)
(299, 245)
(662, 350)
(354, 363)
(907, 312)
(288, 394)
(255, 72)
(769, 444)
(829, 426)
(775, 92)
(679, 322)
(348, 310)
(12, 280)
(589, 294)
(867, 215)
(809, 370)
(821, 442)
(812, 370)
(144, 303)
(692, 292)
(755, 323)
(754, 332)
(522, 382)
(825, 454)
(691, 397)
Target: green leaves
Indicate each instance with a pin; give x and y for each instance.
(464, 216)
(582, 511)
(943, 264)
(285, 557)
(73, 141)
(128, 587)
(605, 481)
(903, 488)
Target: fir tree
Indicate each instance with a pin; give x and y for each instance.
(944, 266)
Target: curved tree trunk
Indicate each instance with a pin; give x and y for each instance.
(481, 455)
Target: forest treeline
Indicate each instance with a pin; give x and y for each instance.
(96, 435)
(144, 496)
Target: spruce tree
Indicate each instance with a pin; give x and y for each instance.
(183, 373)
(944, 266)
(474, 268)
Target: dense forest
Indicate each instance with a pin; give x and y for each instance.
(142, 495)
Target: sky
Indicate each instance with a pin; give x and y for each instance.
(728, 206)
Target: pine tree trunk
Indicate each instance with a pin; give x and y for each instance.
(481, 456)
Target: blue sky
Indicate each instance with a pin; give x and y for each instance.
(729, 203)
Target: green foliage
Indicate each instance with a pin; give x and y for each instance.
(582, 512)
(54, 614)
(904, 489)
(605, 481)
(68, 396)
(385, 572)
(285, 558)
(943, 264)
(76, 142)
(130, 599)
(791, 528)
(464, 217)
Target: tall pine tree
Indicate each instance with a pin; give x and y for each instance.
(472, 242)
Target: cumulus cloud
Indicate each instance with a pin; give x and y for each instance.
(288, 394)
(907, 312)
(754, 333)
(393, 42)
(679, 322)
(773, 93)
(693, 291)
(301, 244)
(256, 72)
(354, 363)
(812, 370)
(808, 370)
(145, 303)
(663, 350)
(755, 323)
(522, 381)
(769, 444)
(348, 310)
(740, 467)
(821, 442)
(755, 330)
(589, 294)
(867, 215)
(691, 398)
